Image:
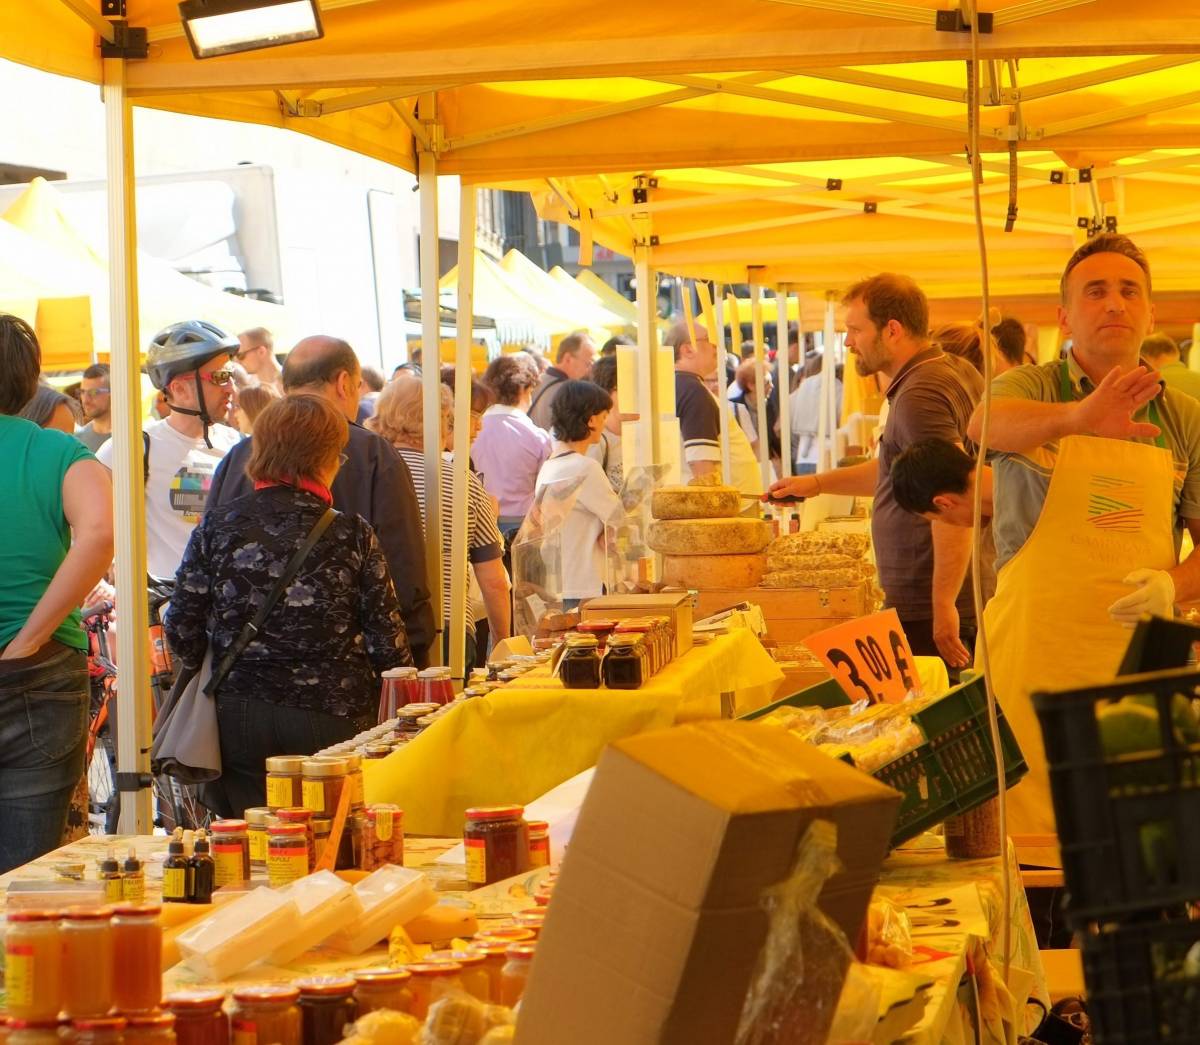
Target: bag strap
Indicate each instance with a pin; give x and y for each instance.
(253, 627)
(543, 390)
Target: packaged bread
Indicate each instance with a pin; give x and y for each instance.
(853, 545)
(695, 502)
(709, 536)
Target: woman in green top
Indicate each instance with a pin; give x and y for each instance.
(50, 488)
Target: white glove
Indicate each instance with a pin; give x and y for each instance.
(1153, 595)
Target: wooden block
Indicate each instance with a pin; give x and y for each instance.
(792, 614)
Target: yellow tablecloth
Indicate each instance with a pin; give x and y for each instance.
(520, 741)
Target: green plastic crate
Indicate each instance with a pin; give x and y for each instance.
(826, 694)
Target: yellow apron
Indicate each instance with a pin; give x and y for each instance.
(1108, 511)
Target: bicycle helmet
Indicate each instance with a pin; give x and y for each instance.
(183, 348)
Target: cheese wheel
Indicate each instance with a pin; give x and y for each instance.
(709, 536)
(695, 502)
(714, 571)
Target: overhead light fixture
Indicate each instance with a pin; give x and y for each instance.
(216, 27)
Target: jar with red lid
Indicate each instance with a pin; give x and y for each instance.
(230, 852)
(150, 1028)
(518, 962)
(266, 1015)
(436, 686)
(327, 1005)
(494, 957)
(600, 629)
(34, 1032)
(287, 854)
(431, 981)
(199, 1017)
(539, 843)
(304, 817)
(531, 920)
(497, 843)
(98, 1030)
(33, 965)
(382, 989)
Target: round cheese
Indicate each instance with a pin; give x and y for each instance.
(695, 502)
(709, 536)
(714, 571)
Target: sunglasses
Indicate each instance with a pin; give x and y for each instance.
(85, 393)
(220, 378)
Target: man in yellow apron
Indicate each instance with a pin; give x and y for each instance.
(1096, 467)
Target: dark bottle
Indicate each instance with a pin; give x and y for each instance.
(202, 871)
(176, 874)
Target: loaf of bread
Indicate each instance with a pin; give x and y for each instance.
(714, 571)
(695, 502)
(709, 536)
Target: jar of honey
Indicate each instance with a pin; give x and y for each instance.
(199, 1017)
(33, 965)
(137, 955)
(431, 981)
(379, 837)
(516, 973)
(326, 1006)
(494, 954)
(539, 843)
(302, 816)
(98, 1030)
(531, 920)
(507, 934)
(230, 852)
(324, 779)
(256, 831)
(497, 844)
(474, 975)
(625, 663)
(354, 780)
(150, 1028)
(580, 665)
(33, 1032)
(266, 1015)
(287, 854)
(382, 989)
(87, 961)
(285, 785)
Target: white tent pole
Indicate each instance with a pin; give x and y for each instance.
(133, 652)
(824, 457)
(647, 300)
(431, 378)
(783, 377)
(760, 382)
(462, 430)
(722, 386)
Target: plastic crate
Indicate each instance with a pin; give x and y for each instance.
(1126, 823)
(1139, 990)
(827, 694)
(954, 771)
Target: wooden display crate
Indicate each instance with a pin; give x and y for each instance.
(792, 614)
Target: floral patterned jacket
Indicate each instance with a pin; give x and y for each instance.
(330, 636)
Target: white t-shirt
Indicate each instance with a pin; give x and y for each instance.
(582, 554)
(181, 471)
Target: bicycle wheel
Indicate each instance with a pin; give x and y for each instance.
(177, 805)
(104, 800)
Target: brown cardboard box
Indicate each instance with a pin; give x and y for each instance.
(792, 614)
(674, 604)
(655, 927)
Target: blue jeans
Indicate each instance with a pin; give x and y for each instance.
(43, 739)
(253, 730)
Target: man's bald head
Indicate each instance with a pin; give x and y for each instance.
(324, 366)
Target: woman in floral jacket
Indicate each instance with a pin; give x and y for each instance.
(310, 678)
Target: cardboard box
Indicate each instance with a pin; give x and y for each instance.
(674, 604)
(792, 614)
(655, 927)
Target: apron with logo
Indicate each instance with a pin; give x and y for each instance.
(1108, 511)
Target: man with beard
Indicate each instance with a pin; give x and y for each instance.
(923, 565)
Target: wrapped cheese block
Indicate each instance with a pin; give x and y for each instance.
(714, 571)
(709, 536)
(777, 560)
(823, 542)
(695, 502)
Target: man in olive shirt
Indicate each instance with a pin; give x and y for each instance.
(1160, 352)
(923, 565)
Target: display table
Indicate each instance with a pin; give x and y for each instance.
(520, 741)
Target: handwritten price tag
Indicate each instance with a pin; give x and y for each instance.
(869, 657)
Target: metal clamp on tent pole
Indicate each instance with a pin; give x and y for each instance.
(955, 22)
(127, 42)
(128, 782)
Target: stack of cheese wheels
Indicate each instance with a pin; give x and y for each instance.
(703, 541)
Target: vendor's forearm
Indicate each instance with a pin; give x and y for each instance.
(951, 558)
(1018, 425)
(494, 587)
(1187, 574)
(857, 480)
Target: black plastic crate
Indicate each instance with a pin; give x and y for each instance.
(1142, 987)
(1128, 825)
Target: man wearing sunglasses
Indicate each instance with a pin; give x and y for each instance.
(189, 363)
(256, 353)
(95, 398)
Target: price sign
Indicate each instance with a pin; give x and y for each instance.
(869, 657)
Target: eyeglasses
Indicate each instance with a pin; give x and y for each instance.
(220, 378)
(85, 393)
(242, 353)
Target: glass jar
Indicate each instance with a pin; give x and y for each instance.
(391, 693)
(516, 973)
(285, 785)
(304, 817)
(580, 665)
(266, 1015)
(324, 779)
(531, 920)
(494, 956)
(87, 962)
(322, 829)
(377, 751)
(33, 965)
(98, 1030)
(539, 843)
(199, 1017)
(379, 837)
(326, 1006)
(256, 831)
(506, 934)
(474, 975)
(497, 844)
(150, 1028)
(354, 780)
(436, 686)
(287, 854)
(625, 662)
(431, 981)
(382, 989)
(230, 852)
(34, 1032)
(137, 957)
(599, 629)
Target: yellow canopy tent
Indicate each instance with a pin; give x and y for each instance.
(585, 310)
(610, 298)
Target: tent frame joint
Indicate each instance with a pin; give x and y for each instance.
(128, 41)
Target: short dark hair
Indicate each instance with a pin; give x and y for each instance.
(576, 403)
(510, 375)
(320, 368)
(570, 344)
(1158, 345)
(747, 350)
(96, 372)
(1010, 339)
(1105, 243)
(20, 363)
(373, 378)
(604, 374)
(609, 348)
(929, 468)
(891, 296)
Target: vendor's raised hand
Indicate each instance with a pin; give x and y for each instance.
(796, 487)
(1109, 410)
